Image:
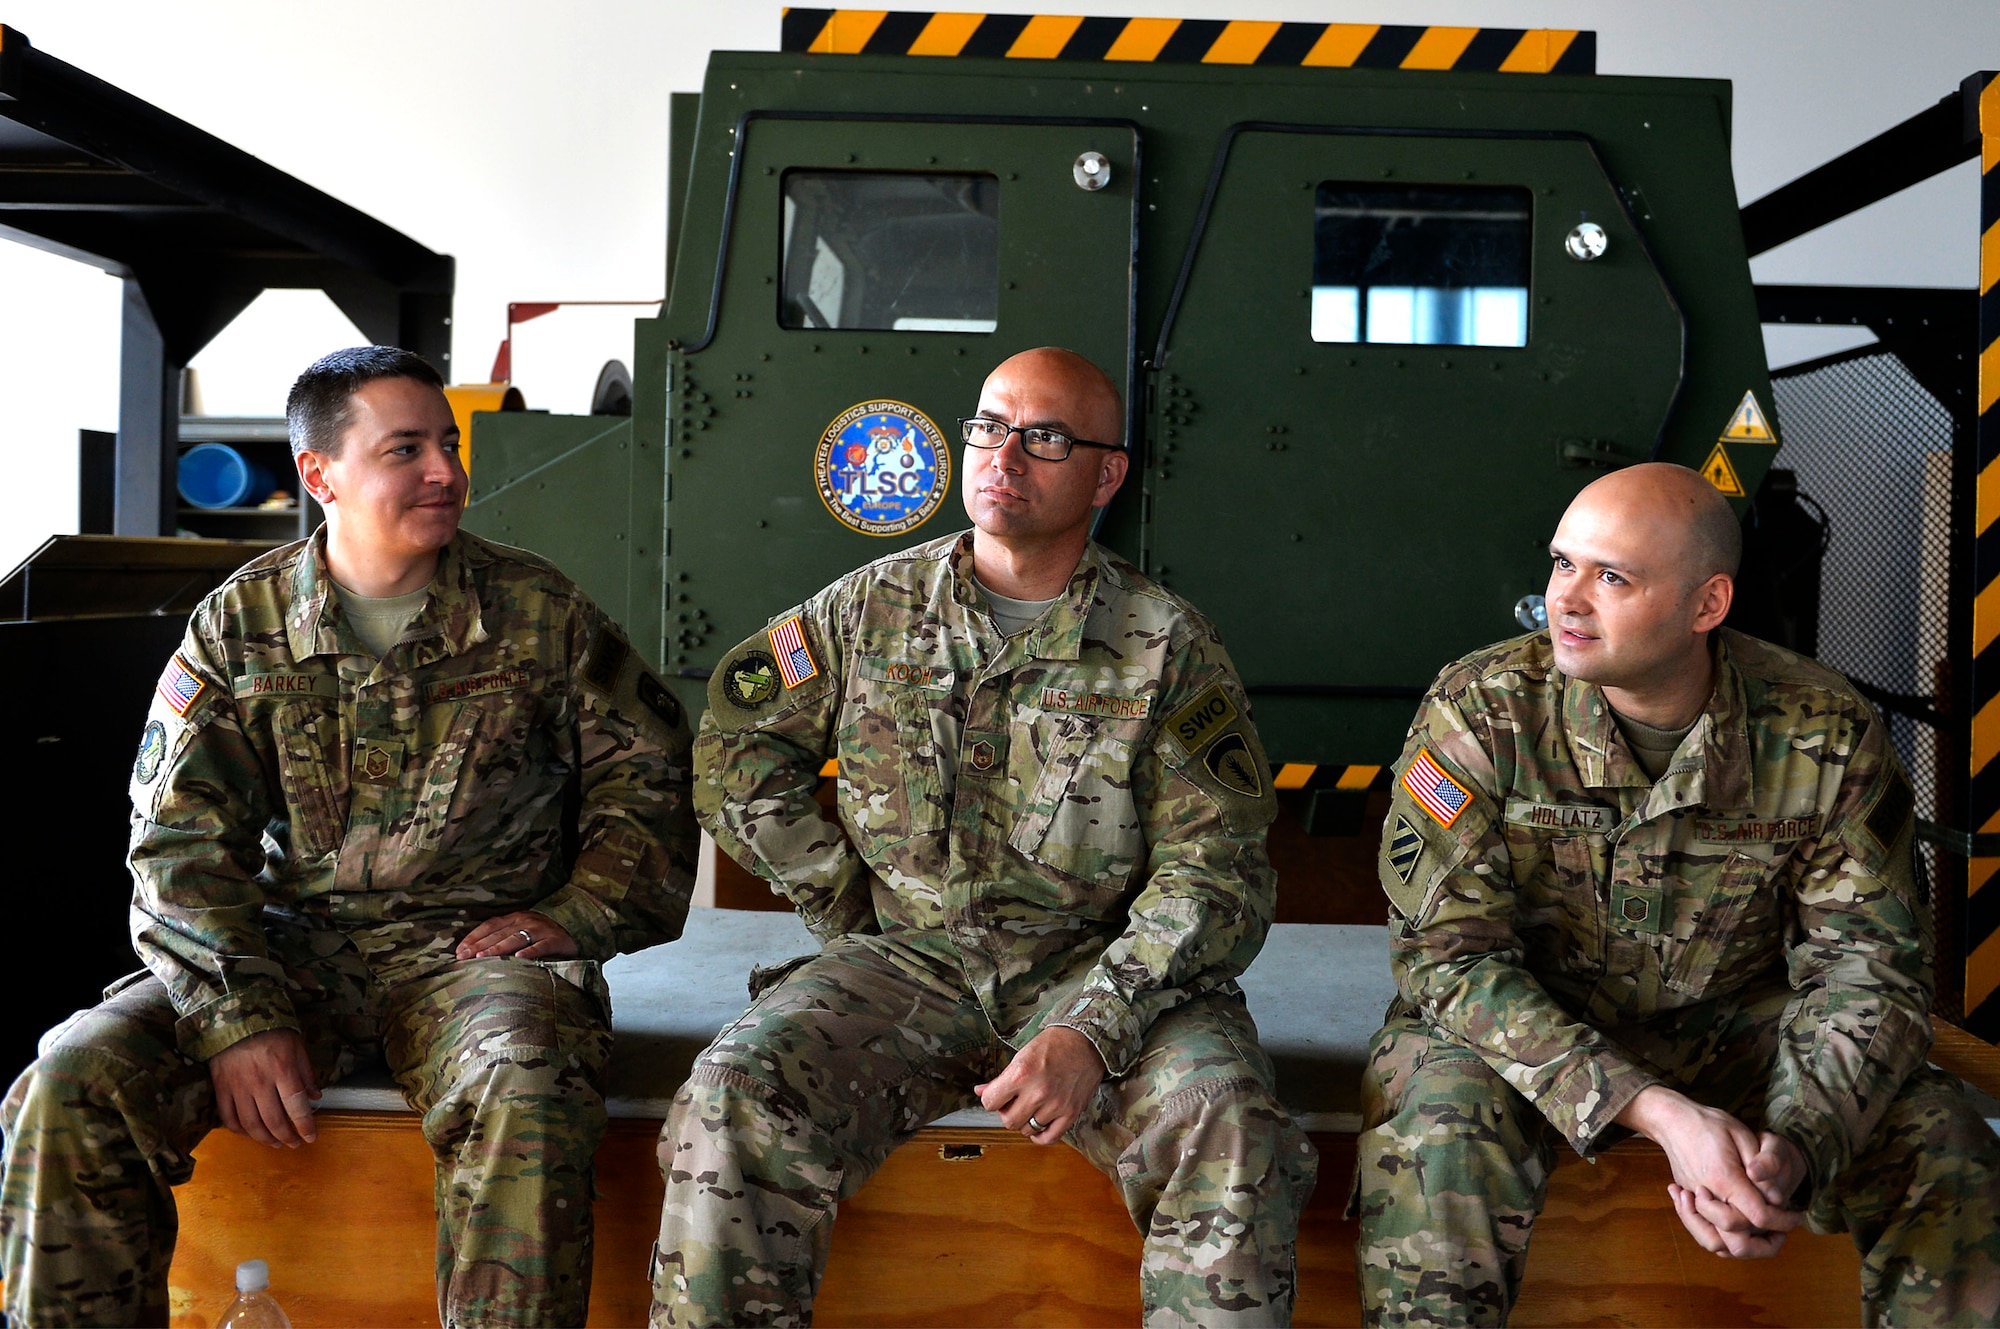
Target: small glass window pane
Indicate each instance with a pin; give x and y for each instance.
(915, 253)
(1423, 265)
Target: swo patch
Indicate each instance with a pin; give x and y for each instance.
(604, 659)
(152, 750)
(750, 680)
(1230, 762)
(1197, 724)
(882, 468)
(1892, 806)
(659, 699)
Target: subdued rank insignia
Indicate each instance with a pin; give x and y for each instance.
(1636, 908)
(604, 659)
(378, 762)
(1406, 846)
(658, 699)
(981, 756)
(179, 687)
(750, 680)
(795, 658)
(152, 748)
(1229, 761)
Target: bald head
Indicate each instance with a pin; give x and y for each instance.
(1689, 526)
(1092, 408)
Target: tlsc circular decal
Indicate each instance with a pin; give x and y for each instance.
(882, 467)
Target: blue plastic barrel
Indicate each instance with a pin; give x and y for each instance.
(215, 475)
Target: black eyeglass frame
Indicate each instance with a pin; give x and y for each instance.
(966, 422)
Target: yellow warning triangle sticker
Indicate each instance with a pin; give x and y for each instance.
(1718, 472)
(1748, 424)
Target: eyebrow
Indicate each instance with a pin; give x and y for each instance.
(1619, 568)
(1060, 426)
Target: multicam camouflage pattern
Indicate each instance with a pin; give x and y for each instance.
(1062, 827)
(1575, 932)
(795, 1106)
(492, 1052)
(511, 752)
(1457, 1167)
(1037, 812)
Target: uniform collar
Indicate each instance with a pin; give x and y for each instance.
(448, 624)
(1059, 634)
(1712, 767)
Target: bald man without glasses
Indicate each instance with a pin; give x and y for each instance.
(1651, 876)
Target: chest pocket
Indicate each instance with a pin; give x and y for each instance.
(889, 784)
(312, 771)
(1723, 932)
(1559, 911)
(1079, 817)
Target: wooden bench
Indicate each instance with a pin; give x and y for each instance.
(968, 1224)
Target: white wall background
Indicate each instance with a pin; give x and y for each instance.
(529, 141)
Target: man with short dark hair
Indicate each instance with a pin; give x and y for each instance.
(401, 792)
(1652, 876)
(1045, 871)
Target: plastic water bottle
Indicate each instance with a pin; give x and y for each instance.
(254, 1307)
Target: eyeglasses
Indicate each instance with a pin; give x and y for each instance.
(1043, 444)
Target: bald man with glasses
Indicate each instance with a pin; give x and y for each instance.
(1044, 871)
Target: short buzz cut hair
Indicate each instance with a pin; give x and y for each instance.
(1714, 542)
(317, 412)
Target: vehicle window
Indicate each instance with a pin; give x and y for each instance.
(1434, 265)
(902, 252)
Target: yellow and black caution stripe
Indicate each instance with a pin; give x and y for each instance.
(1982, 893)
(1189, 41)
(1291, 775)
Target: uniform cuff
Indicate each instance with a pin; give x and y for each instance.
(1818, 1136)
(591, 923)
(252, 1008)
(1108, 1022)
(1586, 1101)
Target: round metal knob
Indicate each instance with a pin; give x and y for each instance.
(1092, 171)
(1586, 241)
(1532, 612)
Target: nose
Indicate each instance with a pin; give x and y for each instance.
(444, 467)
(1012, 454)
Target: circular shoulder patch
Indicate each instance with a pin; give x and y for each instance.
(152, 747)
(750, 680)
(882, 468)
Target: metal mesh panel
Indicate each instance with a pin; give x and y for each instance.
(1873, 448)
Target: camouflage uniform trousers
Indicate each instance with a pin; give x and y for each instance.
(795, 1105)
(1453, 1166)
(503, 1058)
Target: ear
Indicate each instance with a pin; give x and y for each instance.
(1712, 600)
(314, 475)
(1109, 477)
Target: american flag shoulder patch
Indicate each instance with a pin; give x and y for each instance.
(1434, 789)
(795, 658)
(178, 686)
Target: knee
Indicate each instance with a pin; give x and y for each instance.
(725, 1124)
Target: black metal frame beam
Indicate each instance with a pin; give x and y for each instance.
(1912, 152)
(197, 229)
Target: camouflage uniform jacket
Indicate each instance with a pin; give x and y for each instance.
(1589, 932)
(1090, 852)
(510, 752)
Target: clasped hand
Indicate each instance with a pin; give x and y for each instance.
(1732, 1185)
